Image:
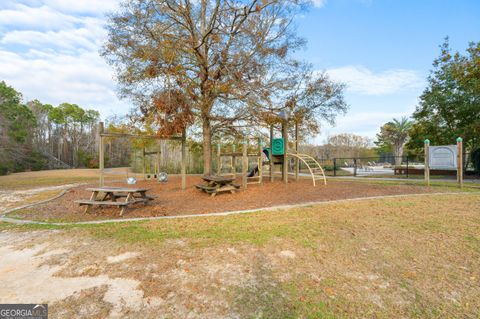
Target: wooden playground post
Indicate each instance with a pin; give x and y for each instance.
(101, 157)
(260, 161)
(427, 162)
(158, 160)
(460, 162)
(244, 164)
(234, 161)
(271, 153)
(184, 161)
(297, 163)
(219, 159)
(144, 165)
(285, 148)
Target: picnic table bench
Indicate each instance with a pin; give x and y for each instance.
(111, 194)
(217, 184)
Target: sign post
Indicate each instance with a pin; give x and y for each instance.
(460, 162)
(427, 162)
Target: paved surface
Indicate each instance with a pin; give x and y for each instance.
(420, 180)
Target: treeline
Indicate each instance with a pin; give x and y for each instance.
(37, 136)
(342, 145)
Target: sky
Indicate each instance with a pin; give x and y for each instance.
(381, 49)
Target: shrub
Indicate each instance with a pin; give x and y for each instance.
(476, 160)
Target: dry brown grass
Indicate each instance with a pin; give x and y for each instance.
(11, 200)
(56, 177)
(393, 258)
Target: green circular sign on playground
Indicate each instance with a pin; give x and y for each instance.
(278, 146)
(427, 141)
(459, 139)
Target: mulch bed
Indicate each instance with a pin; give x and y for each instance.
(171, 200)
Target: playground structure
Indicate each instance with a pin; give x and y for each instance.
(276, 154)
(280, 155)
(103, 134)
(149, 172)
(253, 176)
(152, 171)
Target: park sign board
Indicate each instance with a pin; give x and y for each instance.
(443, 157)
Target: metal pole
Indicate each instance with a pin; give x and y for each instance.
(407, 166)
(334, 167)
(355, 167)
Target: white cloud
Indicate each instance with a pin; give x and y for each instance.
(49, 51)
(84, 79)
(38, 18)
(88, 36)
(72, 40)
(319, 3)
(361, 123)
(90, 7)
(84, 6)
(360, 79)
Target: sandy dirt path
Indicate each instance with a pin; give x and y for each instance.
(15, 198)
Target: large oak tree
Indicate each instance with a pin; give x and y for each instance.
(229, 59)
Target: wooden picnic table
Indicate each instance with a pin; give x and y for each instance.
(111, 194)
(217, 184)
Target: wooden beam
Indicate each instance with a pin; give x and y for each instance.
(144, 165)
(231, 154)
(140, 136)
(158, 160)
(272, 166)
(460, 162)
(184, 160)
(297, 163)
(219, 159)
(285, 150)
(244, 164)
(427, 162)
(234, 161)
(152, 153)
(101, 151)
(260, 161)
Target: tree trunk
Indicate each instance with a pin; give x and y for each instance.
(398, 154)
(207, 147)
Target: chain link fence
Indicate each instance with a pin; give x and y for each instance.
(388, 166)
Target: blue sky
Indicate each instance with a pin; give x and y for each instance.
(382, 50)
